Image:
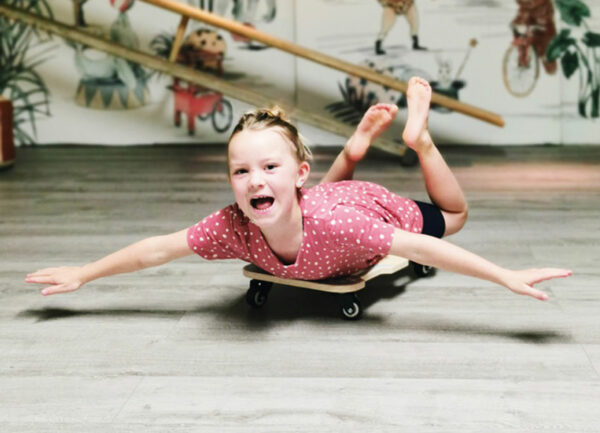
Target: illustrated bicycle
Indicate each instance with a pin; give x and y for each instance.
(521, 64)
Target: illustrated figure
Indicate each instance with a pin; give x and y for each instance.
(203, 49)
(391, 9)
(110, 82)
(537, 16)
(332, 229)
(242, 10)
(245, 11)
(80, 15)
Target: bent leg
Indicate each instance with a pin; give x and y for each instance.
(441, 185)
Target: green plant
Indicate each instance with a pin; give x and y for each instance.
(161, 44)
(579, 56)
(19, 81)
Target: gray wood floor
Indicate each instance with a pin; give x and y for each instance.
(176, 349)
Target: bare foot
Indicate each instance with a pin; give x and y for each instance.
(415, 133)
(376, 120)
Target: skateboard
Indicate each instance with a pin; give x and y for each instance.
(347, 286)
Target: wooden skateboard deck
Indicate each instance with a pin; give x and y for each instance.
(347, 284)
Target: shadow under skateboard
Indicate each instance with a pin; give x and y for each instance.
(346, 286)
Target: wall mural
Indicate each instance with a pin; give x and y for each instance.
(359, 94)
(535, 48)
(19, 80)
(204, 49)
(528, 41)
(533, 28)
(108, 82)
(536, 41)
(391, 9)
(581, 56)
(244, 11)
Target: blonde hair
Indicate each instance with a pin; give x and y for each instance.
(264, 118)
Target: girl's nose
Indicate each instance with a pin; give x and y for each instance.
(256, 180)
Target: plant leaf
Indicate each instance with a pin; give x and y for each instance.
(572, 11)
(569, 63)
(559, 44)
(591, 39)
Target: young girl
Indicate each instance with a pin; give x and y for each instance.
(334, 228)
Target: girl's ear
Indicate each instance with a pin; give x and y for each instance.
(303, 172)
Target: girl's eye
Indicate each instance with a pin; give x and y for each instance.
(271, 166)
(240, 171)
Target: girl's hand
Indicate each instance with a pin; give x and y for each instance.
(521, 282)
(61, 280)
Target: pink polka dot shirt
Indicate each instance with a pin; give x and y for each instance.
(348, 226)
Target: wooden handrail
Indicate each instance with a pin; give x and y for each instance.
(191, 75)
(178, 38)
(318, 57)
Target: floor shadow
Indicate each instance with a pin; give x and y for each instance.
(285, 304)
(289, 304)
(533, 336)
(56, 313)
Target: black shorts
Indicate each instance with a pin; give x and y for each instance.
(433, 220)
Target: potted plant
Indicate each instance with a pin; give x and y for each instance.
(20, 49)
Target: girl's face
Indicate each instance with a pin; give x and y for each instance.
(264, 174)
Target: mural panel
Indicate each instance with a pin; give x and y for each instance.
(535, 62)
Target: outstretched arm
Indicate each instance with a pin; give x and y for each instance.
(149, 252)
(376, 120)
(428, 250)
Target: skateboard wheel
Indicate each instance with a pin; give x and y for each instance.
(257, 294)
(351, 308)
(421, 270)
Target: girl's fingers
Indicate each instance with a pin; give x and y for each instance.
(42, 279)
(58, 288)
(537, 294)
(51, 290)
(44, 271)
(40, 274)
(550, 273)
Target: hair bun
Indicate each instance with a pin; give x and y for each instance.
(277, 111)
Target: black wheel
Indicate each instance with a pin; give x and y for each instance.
(350, 307)
(421, 270)
(222, 115)
(409, 158)
(257, 294)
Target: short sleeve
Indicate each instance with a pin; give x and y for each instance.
(215, 236)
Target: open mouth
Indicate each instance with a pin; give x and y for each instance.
(262, 203)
